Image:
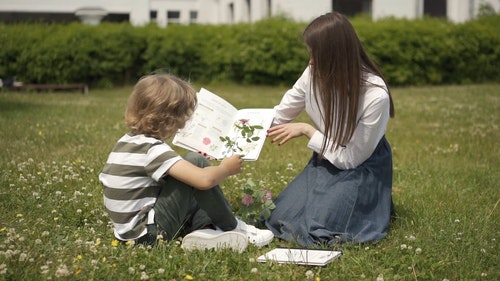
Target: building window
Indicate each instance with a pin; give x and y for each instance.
(193, 17)
(153, 15)
(435, 8)
(352, 7)
(231, 12)
(173, 17)
(249, 10)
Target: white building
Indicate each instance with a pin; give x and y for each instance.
(164, 12)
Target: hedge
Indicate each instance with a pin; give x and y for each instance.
(416, 52)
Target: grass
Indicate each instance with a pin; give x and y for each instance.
(446, 159)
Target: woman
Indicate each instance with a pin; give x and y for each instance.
(344, 192)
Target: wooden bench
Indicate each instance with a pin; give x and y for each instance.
(83, 88)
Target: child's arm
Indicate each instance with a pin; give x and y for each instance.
(208, 177)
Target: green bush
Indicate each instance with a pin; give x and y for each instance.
(416, 52)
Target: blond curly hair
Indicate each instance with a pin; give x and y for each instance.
(159, 105)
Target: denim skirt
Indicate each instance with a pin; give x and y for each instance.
(325, 205)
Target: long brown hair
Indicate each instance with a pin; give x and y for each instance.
(339, 62)
(159, 105)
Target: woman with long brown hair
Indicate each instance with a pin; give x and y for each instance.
(344, 192)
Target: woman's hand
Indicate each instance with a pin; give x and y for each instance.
(286, 132)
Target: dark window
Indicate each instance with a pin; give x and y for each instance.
(249, 10)
(116, 18)
(352, 7)
(435, 8)
(193, 16)
(231, 12)
(153, 15)
(173, 16)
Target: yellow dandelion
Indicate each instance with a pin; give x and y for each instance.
(104, 259)
(189, 277)
(79, 257)
(115, 243)
(40, 133)
(98, 242)
(19, 215)
(317, 278)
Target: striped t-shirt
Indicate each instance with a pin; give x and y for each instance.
(130, 181)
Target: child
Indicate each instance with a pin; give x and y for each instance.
(149, 190)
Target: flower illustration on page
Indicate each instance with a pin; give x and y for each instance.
(244, 131)
(206, 141)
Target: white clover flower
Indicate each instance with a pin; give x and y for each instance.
(251, 260)
(3, 268)
(457, 220)
(144, 276)
(380, 277)
(418, 251)
(131, 270)
(411, 238)
(22, 257)
(62, 271)
(254, 270)
(484, 274)
(161, 270)
(142, 267)
(9, 253)
(403, 246)
(309, 274)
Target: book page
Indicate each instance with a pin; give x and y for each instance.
(214, 118)
(251, 117)
(300, 256)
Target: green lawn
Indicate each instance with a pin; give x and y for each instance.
(446, 174)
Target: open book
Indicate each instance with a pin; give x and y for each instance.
(220, 130)
(300, 256)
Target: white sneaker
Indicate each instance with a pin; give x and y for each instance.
(214, 239)
(258, 237)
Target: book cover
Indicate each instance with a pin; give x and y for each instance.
(219, 130)
(300, 256)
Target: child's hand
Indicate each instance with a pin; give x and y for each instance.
(233, 164)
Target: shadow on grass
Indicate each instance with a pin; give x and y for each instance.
(7, 106)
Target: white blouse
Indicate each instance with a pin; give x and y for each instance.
(372, 119)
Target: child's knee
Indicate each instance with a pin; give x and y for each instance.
(196, 159)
